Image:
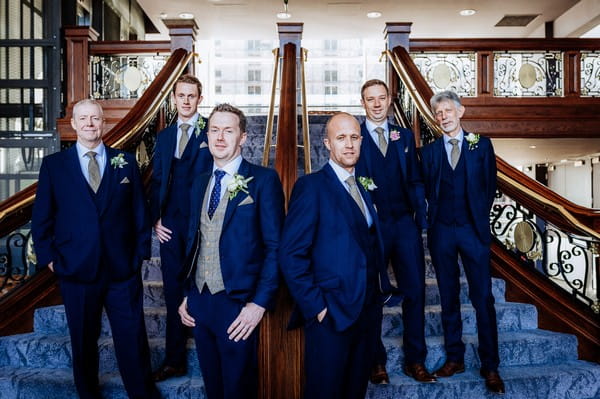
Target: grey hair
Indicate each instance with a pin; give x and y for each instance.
(88, 101)
(444, 96)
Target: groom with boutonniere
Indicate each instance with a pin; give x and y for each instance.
(230, 271)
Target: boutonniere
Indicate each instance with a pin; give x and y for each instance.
(394, 135)
(200, 124)
(367, 183)
(237, 184)
(118, 161)
(472, 139)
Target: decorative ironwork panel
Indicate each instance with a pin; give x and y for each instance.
(528, 74)
(569, 261)
(590, 73)
(448, 71)
(124, 76)
(17, 260)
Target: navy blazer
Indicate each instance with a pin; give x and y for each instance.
(409, 166)
(164, 153)
(78, 234)
(323, 249)
(249, 235)
(480, 163)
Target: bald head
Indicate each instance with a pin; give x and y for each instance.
(343, 140)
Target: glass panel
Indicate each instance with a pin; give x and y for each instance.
(14, 64)
(528, 74)
(448, 71)
(590, 73)
(14, 14)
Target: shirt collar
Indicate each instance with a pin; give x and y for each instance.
(341, 173)
(372, 126)
(192, 121)
(458, 137)
(232, 167)
(100, 150)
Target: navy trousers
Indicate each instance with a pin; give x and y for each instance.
(172, 255)
(229, 368)
(446, 243)
(122, 301)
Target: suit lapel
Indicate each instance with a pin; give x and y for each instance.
(197, 197)
(400, 145)
(439, 156)
(170, 150)
(464, 150)
(107, 185)
(244, 171)
(365, 148)
(74, 167)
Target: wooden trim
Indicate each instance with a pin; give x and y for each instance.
(572, 72)
(508, 44)
(130, 47)
(485, 74)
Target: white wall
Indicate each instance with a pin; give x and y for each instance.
(573, 183)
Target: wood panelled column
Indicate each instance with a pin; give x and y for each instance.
(183, 35)
(485, 74)
(77, 79)
(395, 34)
(572, 73)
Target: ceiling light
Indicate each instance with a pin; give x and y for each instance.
(284, 15)
(532, 147)
(186, 15)
(578, 163)
(373, 14)
(467, 12)
(595, 160)
(163, 15)
(551, 168)
(563, 161)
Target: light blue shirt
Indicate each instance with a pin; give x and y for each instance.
(230, 169)
(84, 160)
(448, 146)
(192, 123)
(342, 174)
(371, 128)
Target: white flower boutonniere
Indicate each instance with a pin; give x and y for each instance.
(472, 139)
(237, 184)
(118, 161)
(200, 124)
(394, 135)
(367, 183)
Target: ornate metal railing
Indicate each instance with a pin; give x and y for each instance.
(538, 230)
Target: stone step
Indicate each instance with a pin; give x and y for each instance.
(572, 380)
(516, 348)
(26, 383)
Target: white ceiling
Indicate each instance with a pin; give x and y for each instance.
(337, 19)
(518, 152)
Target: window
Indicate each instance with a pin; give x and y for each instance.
(330, 45)
(254, 90)
(217, 73)
(218, 89)
(331, 76)
(253, 47)
(331, 90)
(254, 75)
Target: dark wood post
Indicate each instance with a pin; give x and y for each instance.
(183, 35)
(395, 34)
(77, 80)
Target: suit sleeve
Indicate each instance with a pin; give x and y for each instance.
(492, 179)
(42, 219)
(141, 218)
(415, 181)
(156, 182)
(295, 251)
(271, 214)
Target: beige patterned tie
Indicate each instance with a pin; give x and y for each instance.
(93, 171)
(351, 181)
(455, 153)
(382, 142)
(183, 140)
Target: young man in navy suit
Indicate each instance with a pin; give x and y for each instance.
(331, 256)
(231, 271)
(181, 154)
(389, 157)
(460, 177)
(90, 226)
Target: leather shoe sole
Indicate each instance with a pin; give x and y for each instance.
(379, 375)
(449, 369)
(419, 373)
(493, 382)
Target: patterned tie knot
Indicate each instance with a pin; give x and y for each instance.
(215, 195)
(91, 154)
(454, 142)
(219, 174)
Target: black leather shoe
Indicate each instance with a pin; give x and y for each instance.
(449, 369)
(419, 373)
(379, 375)
(493, 382)
(166, 372)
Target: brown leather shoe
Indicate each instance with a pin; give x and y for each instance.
(449, 369)
(166, 372)
(379, 375)
(493, 382)
(419, 373)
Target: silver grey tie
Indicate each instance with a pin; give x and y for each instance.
(351, 181)
(183, 140)
(93, 171)
(382, 142)
(455, 153)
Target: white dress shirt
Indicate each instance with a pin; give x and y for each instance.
(371, 128)
(230, 169)
(84, 160)
(342, 174)
(448, 146)
(192, 123)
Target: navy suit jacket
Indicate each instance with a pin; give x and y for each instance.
(164, 151)
(409, 166)
(249, 235)
(481, 181)
(323, 249)
(79, 234)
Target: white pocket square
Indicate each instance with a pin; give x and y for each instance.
(405, 149)
(125, 180)
(247, 201)
(203, 144)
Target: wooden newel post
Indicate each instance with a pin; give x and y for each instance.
(183, 35)
(396, 34)
(77, 39)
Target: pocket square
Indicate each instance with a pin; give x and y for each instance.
(125, 180)
(405, 149)
(247, 201)
(203, 144)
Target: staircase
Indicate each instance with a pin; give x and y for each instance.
(535, 364)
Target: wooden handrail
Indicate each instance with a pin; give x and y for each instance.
(130, 47)
(271, 112)
(305, 125)
(509, 44)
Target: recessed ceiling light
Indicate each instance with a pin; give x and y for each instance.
(373, 14)
(163, 15)
(186, 15)
(467, 12)
(284, 15)
(532, 147)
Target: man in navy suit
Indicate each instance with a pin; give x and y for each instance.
(389, 158)
(331, 256)
(90, 226)
(231, 271)
(181, 154)
(460, 180)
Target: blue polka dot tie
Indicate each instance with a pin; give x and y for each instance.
(215, 195)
